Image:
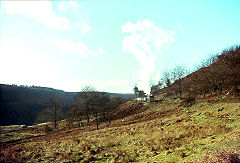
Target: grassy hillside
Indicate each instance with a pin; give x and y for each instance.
(169, 131)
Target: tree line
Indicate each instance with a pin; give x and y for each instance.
(89, 105)
(215, 74)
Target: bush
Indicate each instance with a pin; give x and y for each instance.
(222, 157)
(188, 101)
(47, 129)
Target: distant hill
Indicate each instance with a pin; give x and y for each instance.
(21, 104)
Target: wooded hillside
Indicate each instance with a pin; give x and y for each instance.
(22, 104)
(217, 74)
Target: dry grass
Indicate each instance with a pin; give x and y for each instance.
(161, 134)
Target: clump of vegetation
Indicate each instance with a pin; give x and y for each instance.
(188, 101)
(48, 129)
(224, 156)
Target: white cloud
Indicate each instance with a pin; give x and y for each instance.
(82, 26)
(68, 5)
(67, 46)
(146, 42)
(43, 12)
(73, 8)
(40, 10)
(1, 10)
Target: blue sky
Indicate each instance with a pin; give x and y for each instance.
(110, 44)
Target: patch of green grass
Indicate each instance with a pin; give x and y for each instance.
(12, 136)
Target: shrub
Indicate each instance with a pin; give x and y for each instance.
(223, 156)
(47, 129)
(189, 100)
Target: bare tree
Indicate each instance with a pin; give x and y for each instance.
(210, 76)
(178, 73)
(75, 113)
(155, 88)
(173, 81)
(81, 100)
(96, 102)
(166, 79)
(52, 111)
(136, 91)
(112, 105)
(89, 102)
(231, 59)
